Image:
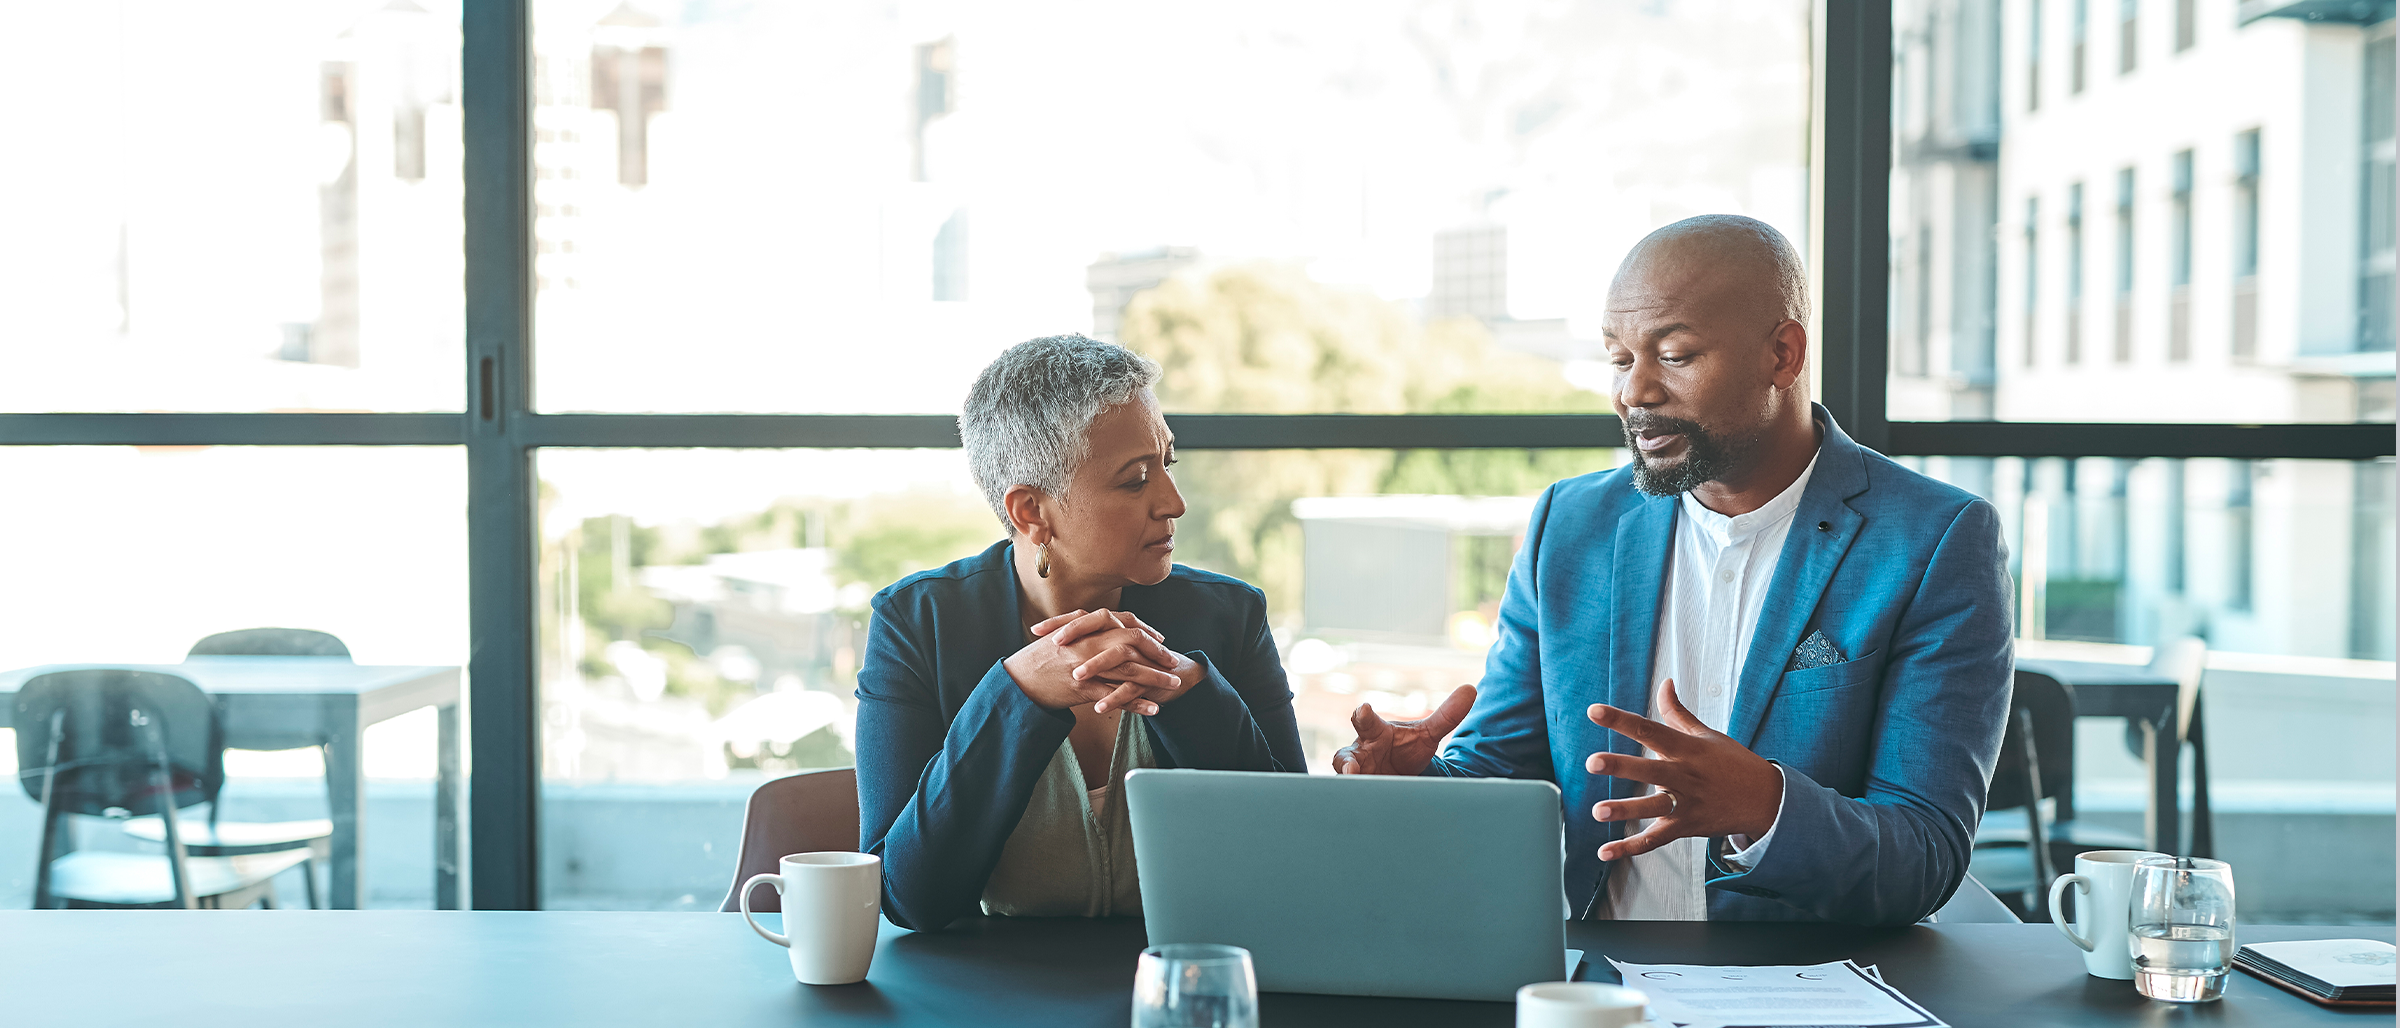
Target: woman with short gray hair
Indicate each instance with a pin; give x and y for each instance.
(1003, 698)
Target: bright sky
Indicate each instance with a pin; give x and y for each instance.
(779, 257)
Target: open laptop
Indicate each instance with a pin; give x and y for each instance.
(1437, 888)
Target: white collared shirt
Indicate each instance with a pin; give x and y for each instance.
(1717, 579)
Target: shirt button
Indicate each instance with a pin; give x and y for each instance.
(1715, 690)
(1727, 576)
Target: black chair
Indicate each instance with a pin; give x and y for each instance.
(312, 837)
(2182, 659)
(271, 642)
(2037, 763)
(105, 743)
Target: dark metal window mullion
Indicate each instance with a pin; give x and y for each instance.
(1851, 152)
(504, 808)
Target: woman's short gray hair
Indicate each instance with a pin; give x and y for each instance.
(1028, 417)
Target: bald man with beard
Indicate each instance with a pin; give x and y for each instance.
(1767, 667)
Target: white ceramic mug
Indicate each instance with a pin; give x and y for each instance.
(1580, 1005)
(829, 905)
(2103, 882)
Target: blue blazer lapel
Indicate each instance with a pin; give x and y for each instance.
(1810, 555)
(1639, 572)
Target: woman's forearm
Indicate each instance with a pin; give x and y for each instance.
(939, 799)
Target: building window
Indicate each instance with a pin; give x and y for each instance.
(2174, 528)
(2179, 261)
(1921, 354)
(2075, 273)
(2376, 243)
(2033, 55)
(2124, 312)
(950, 259)
(2186, 24)
(937, 97)
(2033, 274)
(2371, 614)
(2245, 246)
(2075, 57)
(2129, 36)
(2238, 517)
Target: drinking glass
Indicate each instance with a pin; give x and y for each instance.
(1195, 985)
(2182, 934)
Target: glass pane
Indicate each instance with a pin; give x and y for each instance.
(2197, 235)
(262, 213)
(144, 552)
(2285, 569)
(704, 613)
(850, 207)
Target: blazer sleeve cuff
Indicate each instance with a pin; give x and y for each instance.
(997, 699)
(1746, 870)
(1200, 727)
(1741, 852)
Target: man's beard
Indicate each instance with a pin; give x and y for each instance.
(1705, 457)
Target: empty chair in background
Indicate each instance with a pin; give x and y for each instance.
(810, 812)
(107, 743)
(312, 837)
(2037, 763)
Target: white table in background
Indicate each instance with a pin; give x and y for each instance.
(279, 703)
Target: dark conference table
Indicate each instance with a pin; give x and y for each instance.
(375, 968)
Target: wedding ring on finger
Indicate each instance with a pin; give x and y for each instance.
(1673, 801)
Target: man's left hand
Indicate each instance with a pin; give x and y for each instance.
(1709, 785)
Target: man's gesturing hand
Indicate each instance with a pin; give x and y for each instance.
(1718, 786)
(1400, 747)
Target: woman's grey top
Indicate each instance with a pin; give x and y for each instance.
(1072, 853)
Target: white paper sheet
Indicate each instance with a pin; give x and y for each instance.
(1778, 996)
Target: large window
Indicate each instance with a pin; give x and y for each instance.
(123, 555)
(244, 208)
(851, 207)
(2235, 234)
(764, 248)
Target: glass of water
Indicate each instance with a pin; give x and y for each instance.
(2182, 921)
(1195, 985)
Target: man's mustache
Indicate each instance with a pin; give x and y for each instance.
(1638, 422)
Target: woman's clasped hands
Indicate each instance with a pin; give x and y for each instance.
(1107, 658)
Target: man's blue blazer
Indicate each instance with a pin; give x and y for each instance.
(1886, 755)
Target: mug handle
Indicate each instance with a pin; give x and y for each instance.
(2083, 889)
(776, 880)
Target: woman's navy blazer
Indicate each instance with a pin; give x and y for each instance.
(949, 748)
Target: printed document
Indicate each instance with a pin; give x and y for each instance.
(1782, 996)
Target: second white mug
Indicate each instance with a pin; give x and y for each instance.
(830, 902)
(2103, 883)
(1580, 1005)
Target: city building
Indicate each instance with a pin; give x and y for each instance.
(597, 88)
(1471, 280)
(2157, 212)
(1115, 279)
(388, 201)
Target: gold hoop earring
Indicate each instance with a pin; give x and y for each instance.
(1041, 560)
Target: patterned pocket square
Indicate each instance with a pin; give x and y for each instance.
(1814, 651)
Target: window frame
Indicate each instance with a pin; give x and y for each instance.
(1850, 205)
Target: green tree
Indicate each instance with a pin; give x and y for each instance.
(1266, 339)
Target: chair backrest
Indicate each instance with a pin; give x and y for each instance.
(271, 642)
(2184, 660)
(2046, 706)
(810, 812)
(94, 738)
